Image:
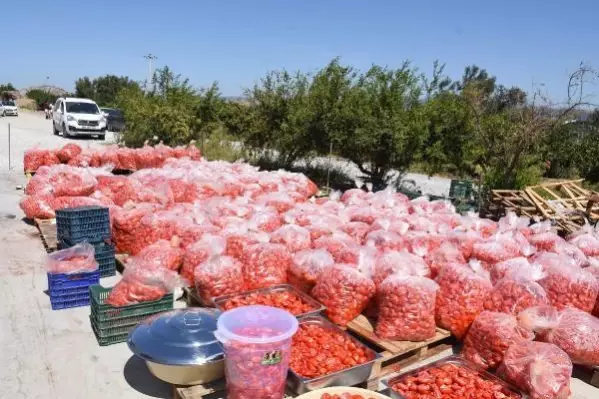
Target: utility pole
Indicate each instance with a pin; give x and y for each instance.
(150, 57)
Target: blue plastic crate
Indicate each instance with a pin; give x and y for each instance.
(107, 267)
(64, 284)
(70, 301)
(105, 257)
(87, 223)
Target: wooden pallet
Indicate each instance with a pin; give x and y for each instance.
(47, 229)
(120, 262)
(199, 391)
(398, 354)
(564, 203)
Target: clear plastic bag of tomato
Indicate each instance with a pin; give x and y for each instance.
(517, 291)
(295, 238)
(594, 270)
(501, 269)
(496, 249)
(461, 296)
(257, 345)
(335, 244)
(570, 286)
(38, 206)
(143, 282)
(345, 291)
(406, 308)
(489, 337)
(265, 265)
(573, 252)
(238, 238)
(587, 240)
(402, 262)
(542, 370)
(306, 267)
(447, 253)
(34, 158)
(572, 330)
(199, 252)
(356, 230)
(79, 258)
(384, 240)
(465, 241)
(68, 151)
(217, 276)
(163, 253)
(128, 232)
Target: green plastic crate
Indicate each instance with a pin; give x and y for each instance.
(105, 340)
(461, 189)
(126, 314)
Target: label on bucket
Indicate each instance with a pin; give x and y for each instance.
(271, 358)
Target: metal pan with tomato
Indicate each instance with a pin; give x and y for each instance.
(283, 296)
(451, 377)
(323, 355)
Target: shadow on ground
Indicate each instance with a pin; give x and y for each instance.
(139, 378)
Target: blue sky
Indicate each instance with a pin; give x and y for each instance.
(236, 42)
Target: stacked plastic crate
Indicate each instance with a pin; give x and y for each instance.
(90, 224)
(111, 325)
(69, 290)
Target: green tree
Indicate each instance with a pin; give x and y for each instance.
(41, 97)
(279, 116)
(380, 122)
(103, 90)
(172, 111)
(84, 88)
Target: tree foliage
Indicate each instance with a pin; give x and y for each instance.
(382, 119)
(41, 97)
(171, 111)
(103, 90)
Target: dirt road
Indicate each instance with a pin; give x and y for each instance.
(46, 353)
(31, 129)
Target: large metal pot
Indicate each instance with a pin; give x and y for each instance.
(179, 346)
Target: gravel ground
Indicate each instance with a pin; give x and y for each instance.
(53, 354)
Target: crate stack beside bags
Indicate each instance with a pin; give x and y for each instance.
(85, 255)
(88, 224)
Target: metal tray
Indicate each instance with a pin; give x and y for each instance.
(317, 306)
(458, 361)
(347, 377)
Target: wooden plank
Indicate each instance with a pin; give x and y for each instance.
(538, 201)
(199, 391)
(364, 328)
(47, 230)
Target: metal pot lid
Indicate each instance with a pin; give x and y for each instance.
(182, 337)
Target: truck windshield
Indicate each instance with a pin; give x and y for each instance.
(82, 108)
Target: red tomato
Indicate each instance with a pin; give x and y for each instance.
(318, 351)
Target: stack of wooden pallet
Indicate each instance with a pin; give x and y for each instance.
(564, 203)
